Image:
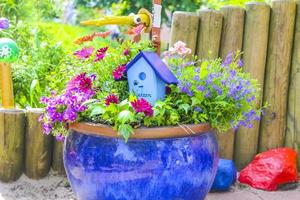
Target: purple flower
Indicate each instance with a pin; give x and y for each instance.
(63, 109)
(240, 63)
(93, 77)
(209, 79)
(207, 94)
(200, 88)
(47, 128)
(197, 70)
(228, 59)
(59, 137)
(84, 53)
(4, 23)
(190, 93)
(219, 90)
(197, 78)
(198, 109)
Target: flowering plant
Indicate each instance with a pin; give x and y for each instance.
(208, 91)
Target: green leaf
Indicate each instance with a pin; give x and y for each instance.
(185, 107)
(98, 110)
(124, 105)
(125, 130)
(125, 116)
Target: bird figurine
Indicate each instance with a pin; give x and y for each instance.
(144, 18)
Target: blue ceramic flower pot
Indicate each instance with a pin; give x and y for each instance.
(156, 164)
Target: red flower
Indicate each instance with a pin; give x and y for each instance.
(112, 98)
(141, 105)
(119, 72)
(126, 52)
(100, 54)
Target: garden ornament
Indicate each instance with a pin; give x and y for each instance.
(225, 177)
(143, 21)
(148, 76)
(142, 18)
(9, 53)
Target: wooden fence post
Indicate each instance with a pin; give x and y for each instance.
(185, 28)
(254, 54)
(209, 34)
(273, 124)
(38, 147)
(12, 132)
(57, 158)
(233, 28)
(232, 40)
(293, 117)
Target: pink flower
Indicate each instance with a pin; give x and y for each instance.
(119, 72)
(81, 83)
(84, 53)
(141, 105)
(179, 48)
(112, 98)
(100, 54)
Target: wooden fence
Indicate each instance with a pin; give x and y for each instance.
(269, 37)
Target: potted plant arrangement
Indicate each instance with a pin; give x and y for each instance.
(136, 126)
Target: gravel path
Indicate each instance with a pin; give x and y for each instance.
(55, 187)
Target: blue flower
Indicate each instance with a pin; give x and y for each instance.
(219, 90)
(240, 63)
(198, 109)
(197, 70)
(197, 78)
(200, 88)
(228, 60)
(207, 94)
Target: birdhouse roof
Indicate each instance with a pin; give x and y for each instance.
(157, 65)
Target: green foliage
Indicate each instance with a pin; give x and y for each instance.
(217, 4)
(215, 91)
(32, 10)
(44, 62)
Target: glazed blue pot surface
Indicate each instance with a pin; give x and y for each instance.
(104, 168)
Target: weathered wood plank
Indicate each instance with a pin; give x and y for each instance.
(209, 34)
(254, 55)
(233, 28)
(12, 133)
(185, 28)
(57, 158)
(273, 124)
(38, 153)
(292, 138)
(231, 40)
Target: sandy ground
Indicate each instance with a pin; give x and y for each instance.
(56, 187)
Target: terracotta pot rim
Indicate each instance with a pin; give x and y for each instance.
(163, 132)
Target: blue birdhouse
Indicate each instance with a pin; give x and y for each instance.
(148, 76)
